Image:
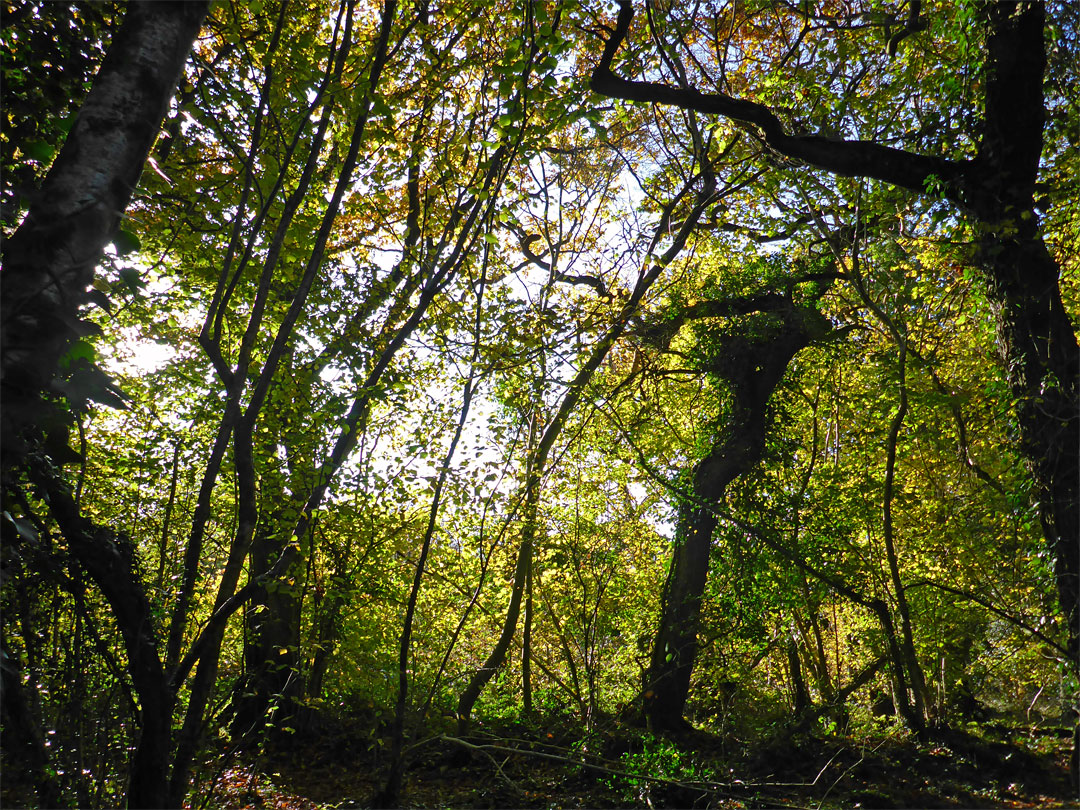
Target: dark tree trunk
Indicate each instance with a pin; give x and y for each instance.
(272, 678)
(1035, 336)
(48, 265)
(753, 366)
(49, 261)
(798, 683)
(23, 740)
(329, 623)
(675, 645)
(109, 560)
(480, 677)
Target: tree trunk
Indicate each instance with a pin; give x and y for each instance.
(798, 683)
(915, 675)
(49, 261)
(48, 265)
(272, 679)
(675, 645)
(23, 740)
(329, 625)
(495, 660)
(109, 560)
(753, 366)
(1035, 336)
(526, 648)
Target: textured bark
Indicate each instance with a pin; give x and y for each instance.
(753, 367)
(48, 265)
(49, 261)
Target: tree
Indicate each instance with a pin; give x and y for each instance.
(431, 362)
(995, 190)
(49, 260)
(48, 265)
(748, 359)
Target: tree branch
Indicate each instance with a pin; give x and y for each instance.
(847, 158)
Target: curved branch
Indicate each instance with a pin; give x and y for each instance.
(847, 158)
(914, 24)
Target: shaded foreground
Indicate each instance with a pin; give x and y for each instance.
(520, 765)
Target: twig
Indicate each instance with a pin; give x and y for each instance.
(486, 751)
(848, 770)
(798, 784)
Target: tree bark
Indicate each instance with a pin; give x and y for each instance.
(675, 645)
(49, 260)
(48, 265)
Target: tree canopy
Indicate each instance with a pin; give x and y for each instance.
(677, 376)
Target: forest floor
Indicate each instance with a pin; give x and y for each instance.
(995, 766)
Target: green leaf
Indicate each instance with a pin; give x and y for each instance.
(126, 242)
(24, 528)
(130, 277)
(79, 350)
(380, 107)
(39, 151)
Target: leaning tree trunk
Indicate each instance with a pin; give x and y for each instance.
(49, 261)
(48, 266)
(752, 366)
(522, 569)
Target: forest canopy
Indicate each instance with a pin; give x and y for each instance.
(639, 387)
